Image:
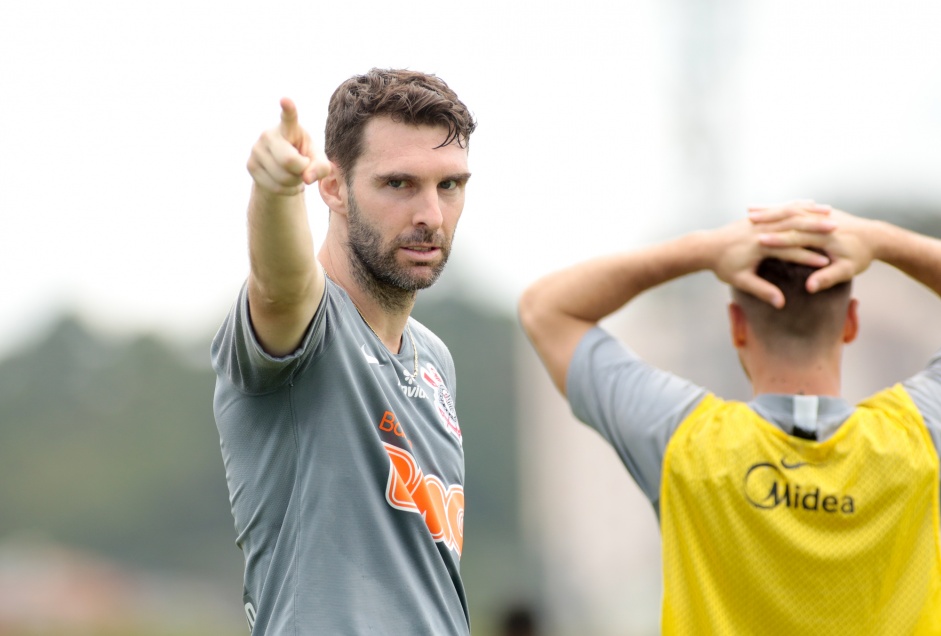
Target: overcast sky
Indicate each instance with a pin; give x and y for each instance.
(125, 126)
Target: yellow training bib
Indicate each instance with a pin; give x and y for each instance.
(765, 533)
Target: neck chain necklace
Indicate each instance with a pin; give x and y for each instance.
(410, 377)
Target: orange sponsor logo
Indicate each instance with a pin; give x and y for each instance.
(389, 424)
(441, 506)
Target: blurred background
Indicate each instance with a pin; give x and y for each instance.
(603, 125)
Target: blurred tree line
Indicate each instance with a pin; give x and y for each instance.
(109, 446)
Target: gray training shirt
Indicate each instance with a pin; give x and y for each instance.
(345, 475)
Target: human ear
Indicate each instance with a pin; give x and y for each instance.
(738, 324)
(333, 190)
(851, 323)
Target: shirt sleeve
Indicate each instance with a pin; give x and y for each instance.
(633, 405)
(925, 390)
(239, 358)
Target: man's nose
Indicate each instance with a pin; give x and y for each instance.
(428, 210)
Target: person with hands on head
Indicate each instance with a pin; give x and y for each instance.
(794, 513)
(335, 408)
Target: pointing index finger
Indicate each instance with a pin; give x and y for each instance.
(288, 113)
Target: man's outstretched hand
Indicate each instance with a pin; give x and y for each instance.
(283, 160)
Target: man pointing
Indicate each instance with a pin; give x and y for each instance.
(335, 408)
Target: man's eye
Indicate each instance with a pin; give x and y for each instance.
(396, 183)
(450, 184)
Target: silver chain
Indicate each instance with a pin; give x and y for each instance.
(408, 329)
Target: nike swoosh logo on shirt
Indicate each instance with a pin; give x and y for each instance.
(369, 357)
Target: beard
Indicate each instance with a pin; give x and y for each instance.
(376, 267)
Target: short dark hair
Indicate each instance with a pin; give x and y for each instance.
(805, 318)
(408, 97)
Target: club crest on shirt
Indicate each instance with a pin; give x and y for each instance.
(443, 401)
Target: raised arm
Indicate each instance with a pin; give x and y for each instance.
(285, 283)
(560, 308)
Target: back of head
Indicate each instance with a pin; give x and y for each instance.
(806, 321)
(408, 97)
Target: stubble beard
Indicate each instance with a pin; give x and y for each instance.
(376, 268)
